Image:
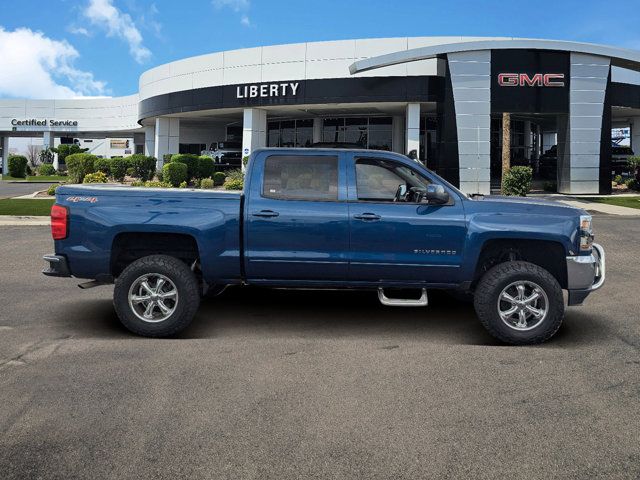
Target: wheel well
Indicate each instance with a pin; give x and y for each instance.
(546, 254)
(129, 247)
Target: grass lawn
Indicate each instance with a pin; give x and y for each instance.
(10, 206)
(38, 178)
(631, 202)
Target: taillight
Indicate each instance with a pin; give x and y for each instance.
(59, 222)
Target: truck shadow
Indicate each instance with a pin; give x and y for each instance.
(258, 312)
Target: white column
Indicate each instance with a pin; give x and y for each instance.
(5, 155)
(317, 130)
(412, 130)
(150, 141)
(254, 130)
(397, 139)
(166, 138)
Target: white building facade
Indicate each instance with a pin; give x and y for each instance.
(441, 97)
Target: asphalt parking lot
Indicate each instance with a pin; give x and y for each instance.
(14, 189)
(276, 384)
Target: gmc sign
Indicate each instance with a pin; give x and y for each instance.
(537, 80)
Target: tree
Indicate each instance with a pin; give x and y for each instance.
(65, 150)
(33, 154)
(506, 145)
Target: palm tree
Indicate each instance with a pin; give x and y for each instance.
(506, 145)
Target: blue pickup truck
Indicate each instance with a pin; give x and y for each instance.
(328, 218)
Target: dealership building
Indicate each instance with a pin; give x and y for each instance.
(442, 97)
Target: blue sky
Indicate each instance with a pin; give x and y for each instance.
(65, 48)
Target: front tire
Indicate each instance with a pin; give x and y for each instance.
(156, 296)
(519, 303)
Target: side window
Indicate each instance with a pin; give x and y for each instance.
(377, 180)
(301, 177)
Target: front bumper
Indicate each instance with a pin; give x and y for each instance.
(585, 274)
(58, 266)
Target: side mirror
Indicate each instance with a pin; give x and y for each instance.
(401, 193)
(436, 194)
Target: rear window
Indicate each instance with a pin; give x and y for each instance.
(301, 177)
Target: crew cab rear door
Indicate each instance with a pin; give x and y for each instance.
(297, 218)
(400, 241)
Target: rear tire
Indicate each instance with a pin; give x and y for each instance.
(519, 303)
(156, 296)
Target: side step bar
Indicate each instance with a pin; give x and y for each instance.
(423, 301)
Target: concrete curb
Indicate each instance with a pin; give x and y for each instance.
(17, 220)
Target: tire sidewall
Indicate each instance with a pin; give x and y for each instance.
(487, 294)
(184, 281)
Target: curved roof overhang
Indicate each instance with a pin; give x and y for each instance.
(620, 57)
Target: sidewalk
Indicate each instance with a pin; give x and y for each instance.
(15, 220)
(582, 201)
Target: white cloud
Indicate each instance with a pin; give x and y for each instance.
(103, 14)
(78, 30)
(35, 66)
(238, 6)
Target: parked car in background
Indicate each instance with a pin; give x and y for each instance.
(225, 154)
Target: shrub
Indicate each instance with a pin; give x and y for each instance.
(245, 160)
(617, 179)
(18, 166)
(102, 165)
(218, 178)
(29, 171)
(166, 158)
(190, 160)
(205, 166)
(79, 165)
(97, 177)
(119, 168)
(143, 167)
(52, 189)
(154, 184)
(65, 150)
(517, 181)
(233, 184)
(183, 185)
(46, 169)
(174, 173)
(206, 183)
(632, 184)
(634, 166)
(159, 175)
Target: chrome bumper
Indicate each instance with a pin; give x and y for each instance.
(585, 274)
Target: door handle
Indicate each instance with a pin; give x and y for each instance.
(265, 213)
(367, 216)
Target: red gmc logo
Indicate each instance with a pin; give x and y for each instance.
(537, 80)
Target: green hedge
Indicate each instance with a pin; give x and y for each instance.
(18, 166)
(205, 166)
(46, 169)
(102, 165)
(79, 165)
(118, 168)
(174, 173)
(191, 161)
(517, 181)
(143, 167)
(218, 178)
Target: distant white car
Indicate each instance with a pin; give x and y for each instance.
(227, 153)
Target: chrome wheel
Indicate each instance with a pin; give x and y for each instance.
(523, 305)
(153, 297)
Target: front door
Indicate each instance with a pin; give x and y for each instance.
(399, 238)
(296, 219)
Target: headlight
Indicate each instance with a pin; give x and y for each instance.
(586, 233)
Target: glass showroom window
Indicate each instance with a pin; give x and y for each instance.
(367, 132)
(290, 133)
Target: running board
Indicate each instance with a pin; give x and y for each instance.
(423, 301)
